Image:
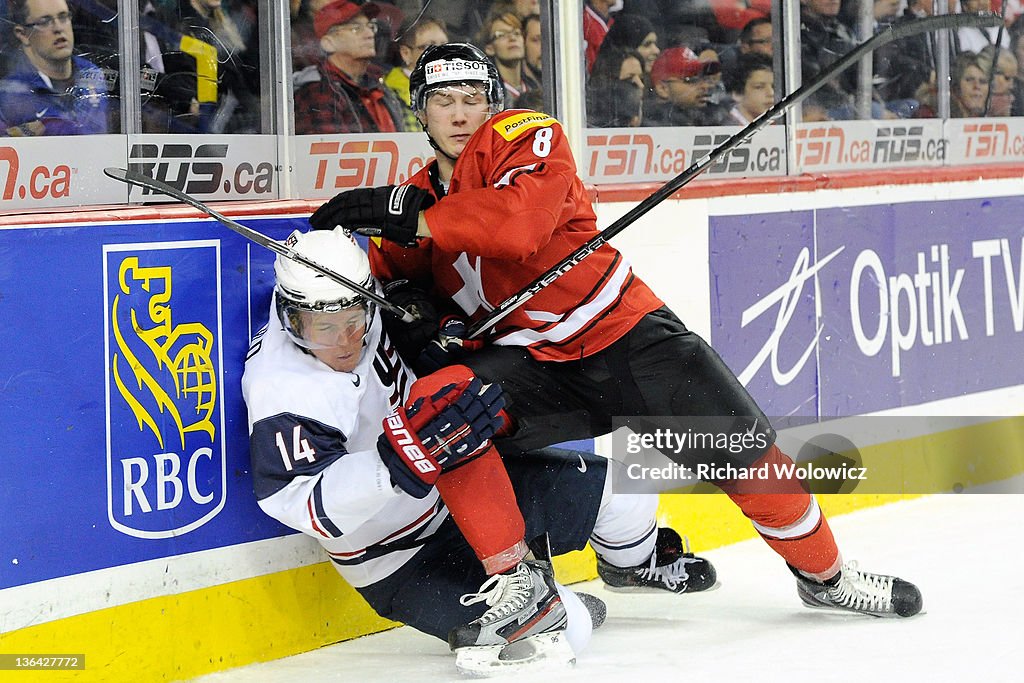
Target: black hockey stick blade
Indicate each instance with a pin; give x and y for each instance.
(889, 34)
(133, 178)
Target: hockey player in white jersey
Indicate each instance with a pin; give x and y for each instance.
(398, 481)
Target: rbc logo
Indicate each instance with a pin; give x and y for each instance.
(165, 424)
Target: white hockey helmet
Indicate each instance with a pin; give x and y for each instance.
(300, 289)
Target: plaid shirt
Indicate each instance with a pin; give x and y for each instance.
(336, 104)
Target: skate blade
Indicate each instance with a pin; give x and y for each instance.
(540, 652)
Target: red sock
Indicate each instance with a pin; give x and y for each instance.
(788, 518)
(479, 494)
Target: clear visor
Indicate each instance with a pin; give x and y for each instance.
(327, 326)
(472, 95)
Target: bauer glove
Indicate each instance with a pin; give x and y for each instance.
(435, 434)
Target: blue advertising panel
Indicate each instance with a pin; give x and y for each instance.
(124, 432)
(926, 301)
(845, 311)
(763, 307)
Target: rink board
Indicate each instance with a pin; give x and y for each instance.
(130, 532)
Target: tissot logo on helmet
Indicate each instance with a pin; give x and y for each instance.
(455, 69)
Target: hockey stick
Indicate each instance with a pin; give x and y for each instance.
(133, 178)
(891, 33)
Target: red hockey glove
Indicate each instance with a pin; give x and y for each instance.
(434, 435)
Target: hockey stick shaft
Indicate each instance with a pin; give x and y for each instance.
(134, 178)
(891, 33)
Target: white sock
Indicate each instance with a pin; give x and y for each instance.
(626, 528)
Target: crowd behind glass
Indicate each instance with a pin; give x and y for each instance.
(648, 62)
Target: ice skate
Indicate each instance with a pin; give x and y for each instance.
(671, 568)
(862, 592)
(521, 603)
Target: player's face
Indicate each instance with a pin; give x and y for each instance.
(336, 338)
(454, 113)
(47, 30)
(758, 94)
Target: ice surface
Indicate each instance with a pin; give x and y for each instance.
(965, 553)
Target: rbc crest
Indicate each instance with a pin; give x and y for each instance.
(164, 378)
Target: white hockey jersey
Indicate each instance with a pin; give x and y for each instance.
(313, 448)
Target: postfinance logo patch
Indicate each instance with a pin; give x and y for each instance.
(514, 126)
(164, 377)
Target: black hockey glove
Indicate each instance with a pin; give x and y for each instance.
(434, 435)
(410, 338)
(391, 212)
(450, 346)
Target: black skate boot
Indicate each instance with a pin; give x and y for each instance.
(852, 590)
(671, 568)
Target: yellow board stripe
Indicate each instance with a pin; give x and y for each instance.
(514, 126)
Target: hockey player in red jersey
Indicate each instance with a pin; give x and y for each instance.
(500, 205)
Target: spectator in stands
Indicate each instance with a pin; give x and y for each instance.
(502, 39)
(414, 36)
(969, 87)
(534, 48)
(682, 86)
(615, 89)
(50, 90)
(634, 32)
(823, 40)
(235, 102)
(904, 66)
(305, 46)
(976, 38)
(756, 38)
(752, 86)
(1000, 102)
(1017, 41)
(350, 96)
(596, 22)
(733, 15)
(520, 8)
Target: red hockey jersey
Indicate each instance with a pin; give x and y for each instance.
(514, 208)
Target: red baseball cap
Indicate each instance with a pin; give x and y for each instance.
(681, 62)
(341, 12)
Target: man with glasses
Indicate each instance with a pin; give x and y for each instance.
(682, 88)
(350, 96)
(50, 90)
